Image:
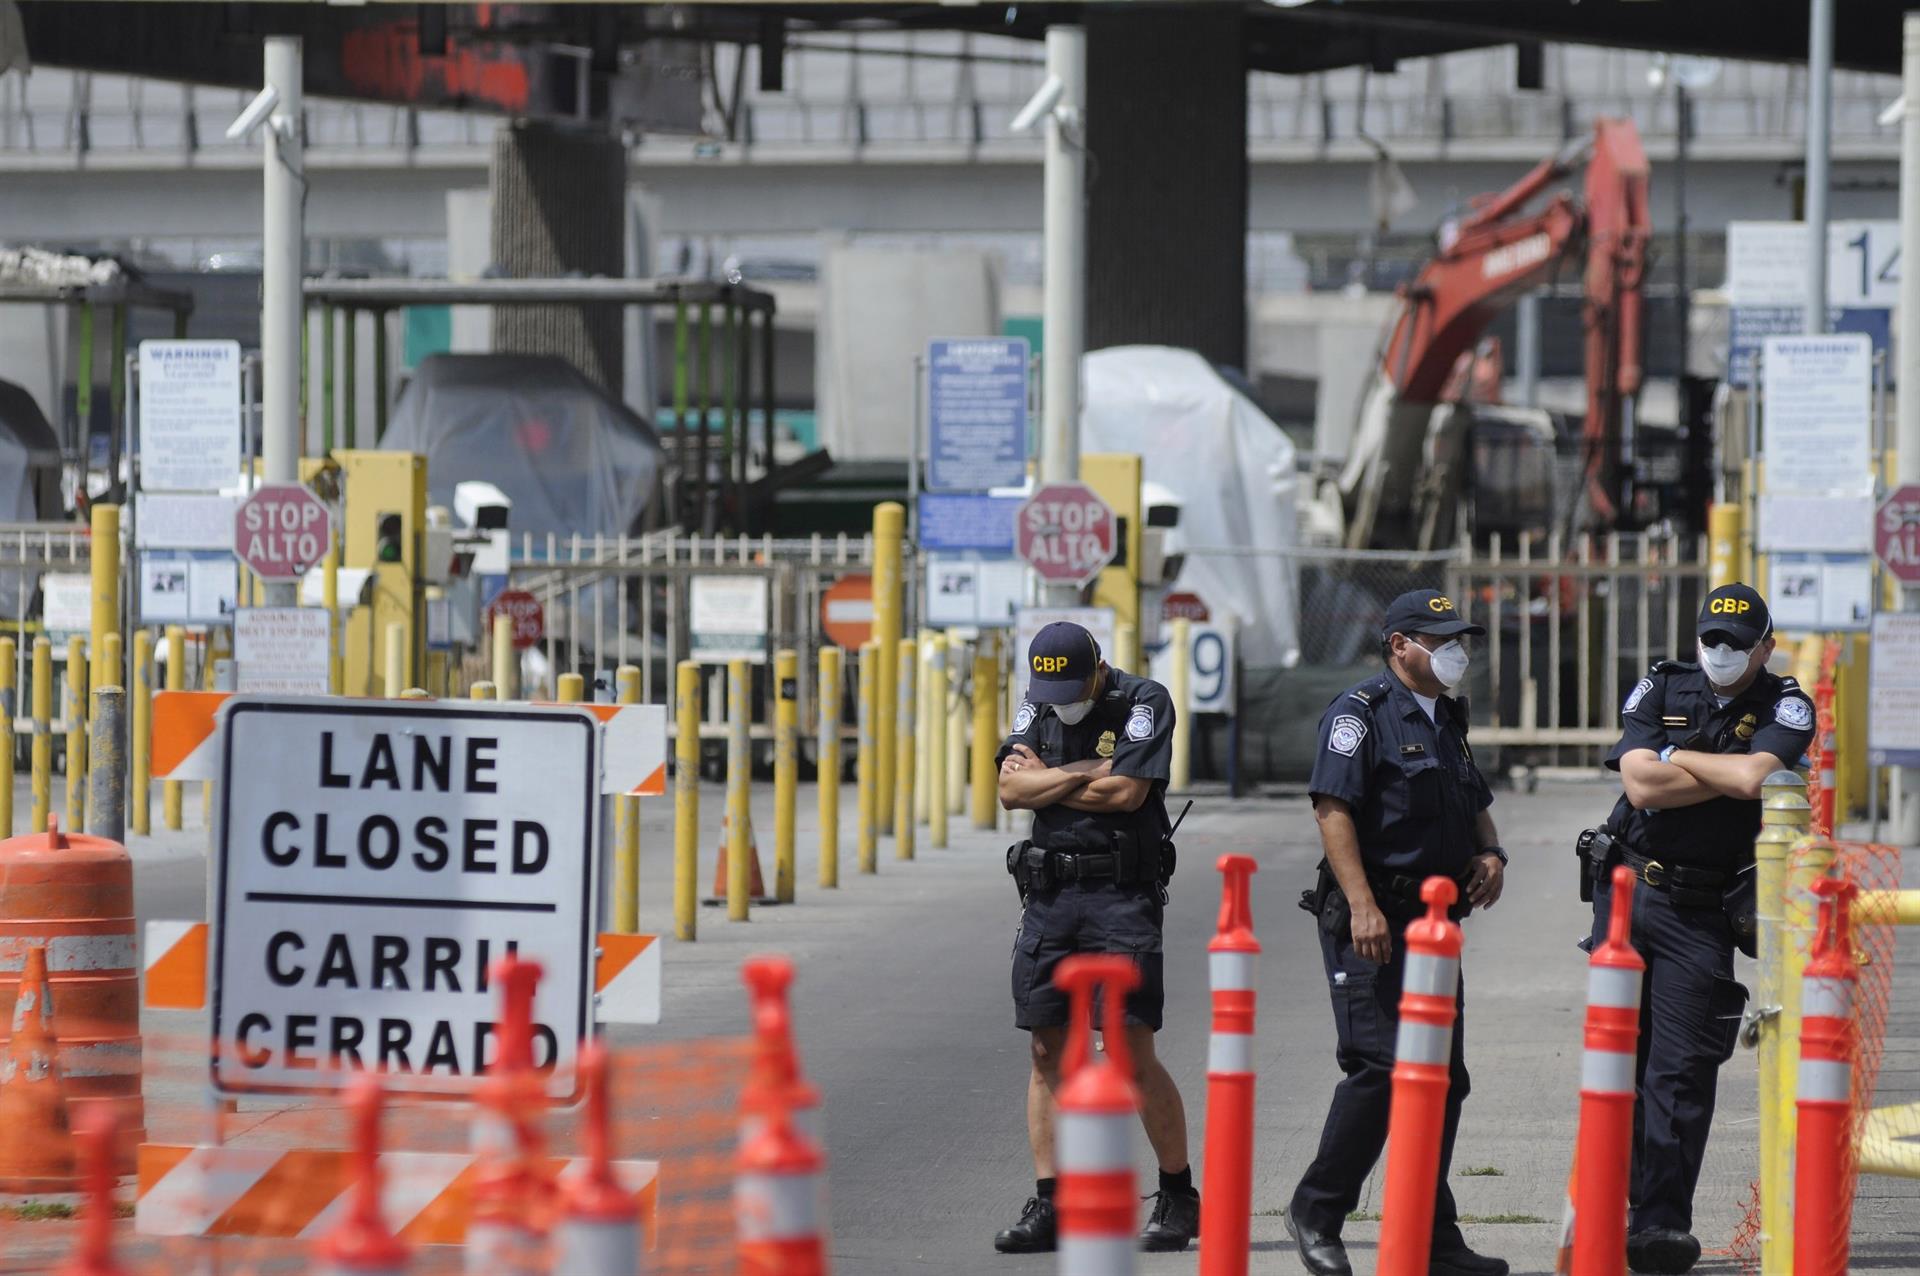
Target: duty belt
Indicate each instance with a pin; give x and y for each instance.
(1124, 867)
(1685, 884)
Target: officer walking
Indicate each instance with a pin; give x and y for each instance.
(1398, 799)
(1696, 742)
(1089, 755)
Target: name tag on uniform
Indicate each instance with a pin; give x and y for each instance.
(1676, 720)
(1413, 750)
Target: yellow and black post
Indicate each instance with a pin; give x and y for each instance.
(686, 800)
(827, 754)
(786, 769)
(739, 790)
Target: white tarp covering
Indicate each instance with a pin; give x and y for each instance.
(569, 457)
(28, 449)
(1233, 470)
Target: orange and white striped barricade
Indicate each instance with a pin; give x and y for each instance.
(776, 1201)
(776, 1077)
(513, 1195)
(1603, 1155)
(1823, 1156)
(599, 1229)
(361, 1244)
(93, 1256)
(1226, 1210)
(1097, 1113)
(1421, 1054)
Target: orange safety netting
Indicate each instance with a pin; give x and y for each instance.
(677, 1104)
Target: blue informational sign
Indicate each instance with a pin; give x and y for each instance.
(967, 522)
(1750, 326)
(976, 413)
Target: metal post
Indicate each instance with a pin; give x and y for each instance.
(1683, 298)
(986, 729)
(176, 681)
(105, 568)
(142, 721)
(959, 764)
(42, 733)
(686, 800)
(1064, 232)
(8, 702)
(786, 766)
(396, 659)
(826, 751)
(1526, 348)
(74, 710)
(1904, 808)
(506, 661)
(907, 660)
(889, 531)
(1819, 152)
(572, 689)
(866, 761)
(283, 236)
(937, 765)
(1784, 816)
(626, 832)
(107, 797)
(1181, 663)
(482, 690)
(739, 773)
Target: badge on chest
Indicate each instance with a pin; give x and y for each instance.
(1104, 748)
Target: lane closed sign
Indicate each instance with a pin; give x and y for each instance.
(373, 861)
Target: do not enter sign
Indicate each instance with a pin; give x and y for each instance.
(281, 530)
(1066, 533)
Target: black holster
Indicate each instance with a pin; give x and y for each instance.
(1740, 903)
(1594, 847)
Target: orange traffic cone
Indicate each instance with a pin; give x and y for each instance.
(758, 887)
(36, 1145)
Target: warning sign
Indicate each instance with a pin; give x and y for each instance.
(373, 861)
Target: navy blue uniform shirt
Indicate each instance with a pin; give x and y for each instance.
(1410, 780)
(1132, 723)
(1675, 704)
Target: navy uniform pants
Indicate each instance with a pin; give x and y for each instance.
(1690, 1010)
(1366, 1017)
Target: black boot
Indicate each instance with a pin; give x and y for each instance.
(1320, 1252)
(1034, 1233)
(1664, 1250)
(1175, 1221)
(1458, 1260)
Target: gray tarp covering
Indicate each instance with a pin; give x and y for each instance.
(28, 451)
(571, 458)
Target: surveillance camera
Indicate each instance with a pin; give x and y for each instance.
(481, 505)
(255, 115)
(1040, 105)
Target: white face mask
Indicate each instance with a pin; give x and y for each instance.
(1449, 663)
(1073, 714)
(1725, 664)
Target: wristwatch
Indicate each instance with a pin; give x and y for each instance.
(1500, 851)
(1666, 754)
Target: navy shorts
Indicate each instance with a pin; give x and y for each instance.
(1086, 918)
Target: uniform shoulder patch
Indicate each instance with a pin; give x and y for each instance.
(1140, 722)
(1023, 717)
(1793, 711)
(1638, 694)
(1348, 731)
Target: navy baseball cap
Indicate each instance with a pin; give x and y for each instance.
(1060, 663)
(1426, 611)
(1739, 612)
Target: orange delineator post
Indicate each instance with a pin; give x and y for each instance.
(512, 1197)
(1825, 754)
(1421, 1054)
(1603, 1156)
(362, 1244)
(93, 1256)
(1823, 1155)
(775, 1079)
(599, 1228)
(777, 1202)
(1097, 1113)
(1226, 1210)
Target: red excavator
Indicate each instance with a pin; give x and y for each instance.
(1403, 474)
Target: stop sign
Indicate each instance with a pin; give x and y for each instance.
(281, 530)
(1065, 532)
(1896, 533)
(529, 619)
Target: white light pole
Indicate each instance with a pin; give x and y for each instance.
(1905, 802)
(1819, 146)
(283, 241)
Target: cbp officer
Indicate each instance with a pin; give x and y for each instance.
(1090, 755)
(1398, 799)
(1695, 744)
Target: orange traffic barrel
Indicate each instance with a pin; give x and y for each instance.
(74, 894)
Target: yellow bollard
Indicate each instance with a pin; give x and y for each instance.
(936, 711)
(416, 693)
(506, 661)
(686, 800)
(866, 763)
(42, 733)
(889, 529)
(141, 817)
(1126, 647)
(826, 748)
(396, 659)
(573, 688)
(1784, 818)
(924, 724)
(176, 681)
(626, 828)
(75, 711)
(958, 714)
(986, 730)
(786, 769)
(1180, 658)
(104, 551)
(330, 599)
(1724, 530)
(9, 695)
(436, 679)
(908, 665)
(108, 662)
(482, 690)
(739, 791)
(219, 646)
